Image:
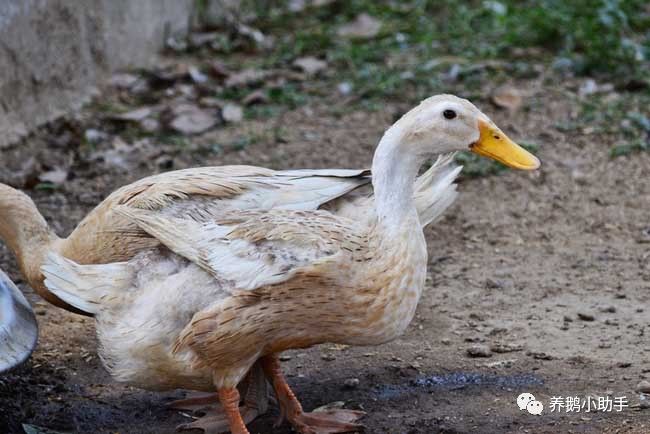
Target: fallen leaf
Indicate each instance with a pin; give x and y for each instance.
(507, 97)
(133, 115)
(190, 119)
(256, 97)
(56, 176)
(210, 101)
(196, 75)
(255, 35)
(123, 81)
(363, 27)
(166, 76)
(247, 77)
(301, 5)
(232, 113)
(150, 125)
(219, 70)
(310, 65)
(199, 39)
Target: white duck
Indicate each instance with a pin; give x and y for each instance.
(230, 290)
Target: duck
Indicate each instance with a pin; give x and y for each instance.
(197, 284)
(105, 236)
(18, 326)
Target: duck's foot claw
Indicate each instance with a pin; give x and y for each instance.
(215, 421)
(327, 422)
(196, 402)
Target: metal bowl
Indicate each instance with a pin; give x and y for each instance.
(18, 327)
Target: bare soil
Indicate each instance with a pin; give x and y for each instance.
(550, 269)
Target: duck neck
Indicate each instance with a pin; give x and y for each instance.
(394, 169)
(24, 230)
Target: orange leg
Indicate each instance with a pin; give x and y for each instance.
(213, 418)
(229, 398)
(325, 422)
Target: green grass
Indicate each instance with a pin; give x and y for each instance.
(602, 37)
(422, 41)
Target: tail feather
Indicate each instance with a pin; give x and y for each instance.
(435, 190)
(86, 287)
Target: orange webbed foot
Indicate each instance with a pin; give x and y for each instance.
(327, 422)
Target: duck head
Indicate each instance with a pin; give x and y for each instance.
(446, 123)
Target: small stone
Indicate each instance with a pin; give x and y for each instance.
(493, 284)
(351, 383)
(344, 88)
(539, 355)
(586, 316)
(567, 318)
(644, 402)
(479, 351)
(94, 136)
(623, 364)
(608, 309)
(150, 125)
(285, 357)
(506, 348)
(232, 113)
(643, 387)
(328, 357)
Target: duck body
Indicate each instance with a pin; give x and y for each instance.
(147, 327)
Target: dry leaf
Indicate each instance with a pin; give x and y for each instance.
(56, 176)
(507, 97)
(232, 113)
(363, 27)
(310, 65)
(219, 70)
(192, 120)
(133, 115)
(123, 81)
(256, 97)
(247, 77)
(199, 39)
(210, 101)
(301, 5)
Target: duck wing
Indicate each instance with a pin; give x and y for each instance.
(248, 250)
(201, 194)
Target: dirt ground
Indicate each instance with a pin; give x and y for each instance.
(550, 270)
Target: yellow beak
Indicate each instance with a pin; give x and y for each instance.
(494, 144)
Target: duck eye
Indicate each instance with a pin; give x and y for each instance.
(449, 114)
